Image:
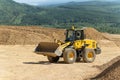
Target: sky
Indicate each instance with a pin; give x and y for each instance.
(45, 2)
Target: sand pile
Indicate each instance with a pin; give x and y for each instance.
(13, 35)
(28, 35)
(115, 38)
(92, 33)
(112, 72)
(104, 39)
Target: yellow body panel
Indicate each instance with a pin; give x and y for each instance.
(80, 43)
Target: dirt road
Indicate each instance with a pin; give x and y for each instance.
(20, 63)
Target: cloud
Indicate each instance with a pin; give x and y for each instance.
(36, 2)
(45, 1)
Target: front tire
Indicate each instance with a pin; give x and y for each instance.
(69, 55)
(89, 55)
(53, 59)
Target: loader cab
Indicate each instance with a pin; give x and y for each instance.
(72, 35)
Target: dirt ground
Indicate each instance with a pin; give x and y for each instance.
(19, 62)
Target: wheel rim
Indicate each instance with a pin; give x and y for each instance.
(90, 55)
(71, 55)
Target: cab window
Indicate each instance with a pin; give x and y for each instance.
(69, 36)
(77, 35)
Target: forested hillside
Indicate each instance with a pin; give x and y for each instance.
(104, 16)
(12, 13)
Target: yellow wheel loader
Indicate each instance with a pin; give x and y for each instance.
(75, 48)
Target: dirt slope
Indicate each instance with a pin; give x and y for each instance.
(92, 33)
(113, 37)
(111, 70)
(28, 35)
(12, 35)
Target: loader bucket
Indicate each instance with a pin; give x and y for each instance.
(46, 48)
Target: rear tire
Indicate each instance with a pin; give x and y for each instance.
(53, 59)
(69, 55)
(89, 55)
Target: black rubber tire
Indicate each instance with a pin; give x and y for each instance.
(66, 55)
(53, 59)
(86, 54)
